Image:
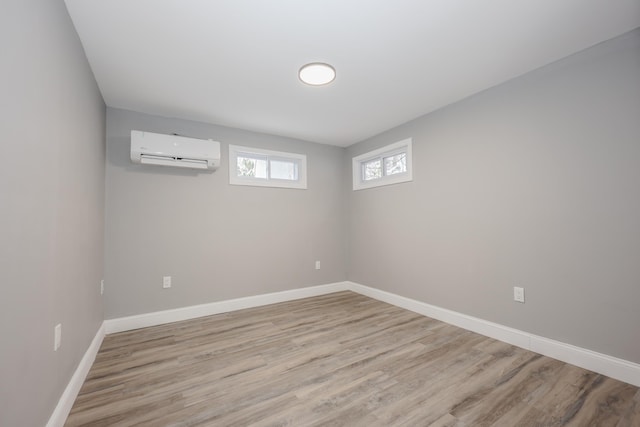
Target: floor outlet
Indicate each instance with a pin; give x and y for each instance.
(518, 294)
(166, 282)
(57, 337)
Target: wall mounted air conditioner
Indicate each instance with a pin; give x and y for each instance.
(170, 150)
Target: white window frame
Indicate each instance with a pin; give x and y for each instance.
(235, 179)
(358, 162)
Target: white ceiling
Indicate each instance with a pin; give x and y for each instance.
(235, 62)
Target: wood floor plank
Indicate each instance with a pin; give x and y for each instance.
(341, 359)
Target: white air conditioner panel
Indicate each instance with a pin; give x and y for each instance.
(172, 150)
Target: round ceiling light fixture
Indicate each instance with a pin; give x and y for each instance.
(317, 74)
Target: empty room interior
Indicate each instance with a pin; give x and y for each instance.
(313, 213)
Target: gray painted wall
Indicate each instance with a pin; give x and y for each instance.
(51, 207)
(217, 241)
(533, 183)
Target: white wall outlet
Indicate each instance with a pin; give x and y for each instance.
(57, 337)
(518, 294)
(317, 265)
(166, 282)
(101, 286)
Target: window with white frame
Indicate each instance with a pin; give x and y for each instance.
(387, 165)
(266, 168)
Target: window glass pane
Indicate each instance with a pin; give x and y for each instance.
(266, 168)
(254, 167)
(395, 164)
(284, 169)
(372, 169)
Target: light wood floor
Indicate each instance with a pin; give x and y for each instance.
(337, 360)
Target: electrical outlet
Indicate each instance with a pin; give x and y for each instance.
(102, 287)
(57, 337)
(518, 294)
(166, 282)
(317, 265)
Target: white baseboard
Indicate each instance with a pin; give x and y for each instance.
(483, 327)
(185, 313)
(610, 366)
(613, 367)
(62, 409)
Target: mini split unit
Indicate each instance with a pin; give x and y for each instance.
(171, 150)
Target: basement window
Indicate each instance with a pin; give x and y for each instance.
(387, 165)
(266, 168)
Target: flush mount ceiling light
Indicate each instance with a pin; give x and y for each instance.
(317, 74)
